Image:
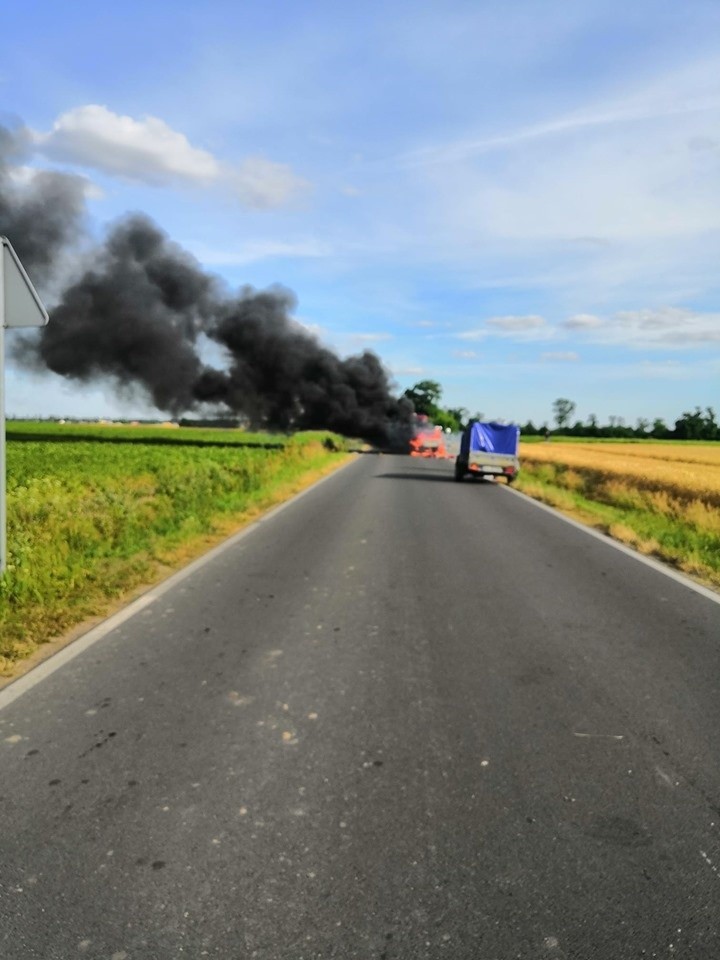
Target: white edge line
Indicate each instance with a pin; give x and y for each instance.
(628, 551)
(55, 661)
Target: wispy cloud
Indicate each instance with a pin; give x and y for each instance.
(514, 327)
(24, 175)
(315, 329)
(515, 324)
(582, 321)
(659, 101)
(263, 183)
(360, 338)
(593, 205)
(257, 250)
(560, 356)
(668, 328)
(407, 371)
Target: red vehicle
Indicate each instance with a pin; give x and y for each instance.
(428, 440)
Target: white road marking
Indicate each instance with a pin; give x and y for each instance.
(45, 669)
(666, 778)
(600, 736)
(628, 551)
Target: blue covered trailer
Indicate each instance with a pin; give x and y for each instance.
(488, 450)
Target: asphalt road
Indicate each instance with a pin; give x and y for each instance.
(401, 718)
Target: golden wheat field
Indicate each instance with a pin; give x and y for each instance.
(684, 472)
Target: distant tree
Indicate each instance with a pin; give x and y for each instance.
(690, 426)
(447, 420)
(712, 428)
(459, 415)
(425, 396)
(529, 429)
(659, 429)
(642, 428)
(562, 411)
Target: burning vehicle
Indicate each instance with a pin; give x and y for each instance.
(427, 440)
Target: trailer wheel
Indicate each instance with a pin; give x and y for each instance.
(459, 474)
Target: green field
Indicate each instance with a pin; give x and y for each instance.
(121, 433)
(95, 511)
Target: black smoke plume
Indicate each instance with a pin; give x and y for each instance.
(138, 313)
(42, 218)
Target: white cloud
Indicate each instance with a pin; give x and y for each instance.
(265, 184)
(23, 177)
(148, 150)
(514, 324)
(669, 328)
(370, 337)
(560, 356)
(513, 327)
(256, 250)
(314, 329)
(478, 334)
(687, 92)
(407, 371)
(664, 318)
(465, 354)
(619, 196)
(582, 321)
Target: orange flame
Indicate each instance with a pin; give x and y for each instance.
(429, 443)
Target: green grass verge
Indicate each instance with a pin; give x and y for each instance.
(117, 433)
(89, 521)
(628, 515)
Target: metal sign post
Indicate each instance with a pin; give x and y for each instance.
(3, 468)
(20, 306)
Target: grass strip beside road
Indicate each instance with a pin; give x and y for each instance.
(664, 503)
(90, 522)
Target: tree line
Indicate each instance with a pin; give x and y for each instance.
(698, 424)
(691, 425)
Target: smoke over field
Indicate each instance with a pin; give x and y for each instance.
(138, 313)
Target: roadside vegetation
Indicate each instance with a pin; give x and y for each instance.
(663, 499)
(94, 512)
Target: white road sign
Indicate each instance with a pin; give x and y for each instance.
(21, 306)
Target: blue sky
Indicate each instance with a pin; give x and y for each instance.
(520, 200)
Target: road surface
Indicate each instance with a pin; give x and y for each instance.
(400, 718)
